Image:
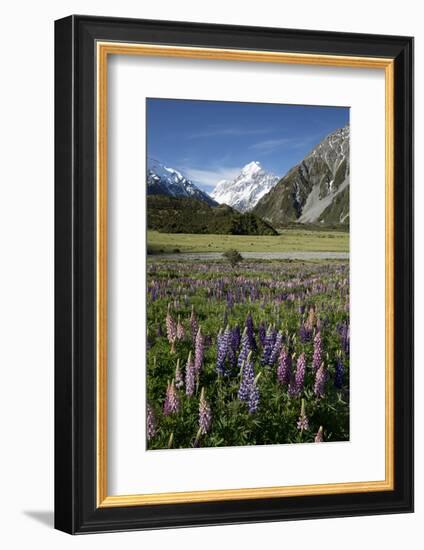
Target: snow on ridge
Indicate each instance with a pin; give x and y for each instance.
(246, 189)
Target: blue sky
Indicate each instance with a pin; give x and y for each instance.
(212, 140)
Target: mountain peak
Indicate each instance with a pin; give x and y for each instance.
(251, 168)
(246, 189)
(164, 180)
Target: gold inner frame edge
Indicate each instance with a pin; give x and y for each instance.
(103, 49)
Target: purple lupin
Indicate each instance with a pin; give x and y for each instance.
(222, 350)
(284, 366)
(244, 349)
(199, 351)
(205, 415)
(320, 380)
(268, 345)
(172, 401)
(338, 376)
(276, 348)
(250, 331)
(247, 378)
(235, 338)
(189, 376)
(317, 357)
(253, 402)
(150, 423)
(296, 384)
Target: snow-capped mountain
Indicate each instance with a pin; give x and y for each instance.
(314, 191)
(246, 189)
(163, 180)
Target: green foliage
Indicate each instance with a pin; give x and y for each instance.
(183, 215)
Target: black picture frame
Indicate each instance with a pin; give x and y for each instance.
(76, 510)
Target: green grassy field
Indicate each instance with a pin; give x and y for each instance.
(290, 240)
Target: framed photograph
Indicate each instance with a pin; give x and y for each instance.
(234, 274)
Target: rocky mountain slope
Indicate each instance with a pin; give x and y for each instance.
(314, 191)
(246, 189)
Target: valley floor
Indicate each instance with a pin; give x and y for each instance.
(290, 240)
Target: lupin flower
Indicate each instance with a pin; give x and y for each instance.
(250, 331)
(303, 422)
(296, 384)
(150, 423)
(205, 415)
(221, 352)
(320, 380)
(194, 325)
(253, 402)
(199, 351)
(189, 376)
(276, 348)
(268, 345)
(338, 376)
(247, 378)
(179, 382)
(319, 437)
(172, 401)
(180, 330)
(245, 348)
(317, 358)
(284, 366)
(235, 338)
(171, 330)
(233, 345)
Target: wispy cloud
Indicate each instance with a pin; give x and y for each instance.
(208, 179)
(270, 145)
(216, 131)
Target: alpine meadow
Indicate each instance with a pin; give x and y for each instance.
(248, 320)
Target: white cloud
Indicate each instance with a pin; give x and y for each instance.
(209, 178)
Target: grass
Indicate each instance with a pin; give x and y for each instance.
(290, 240)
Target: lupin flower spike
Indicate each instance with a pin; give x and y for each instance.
(199, 351)
(320, 380)
(151, 423)
(190, 376)
(172, 401)
(205, 415)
